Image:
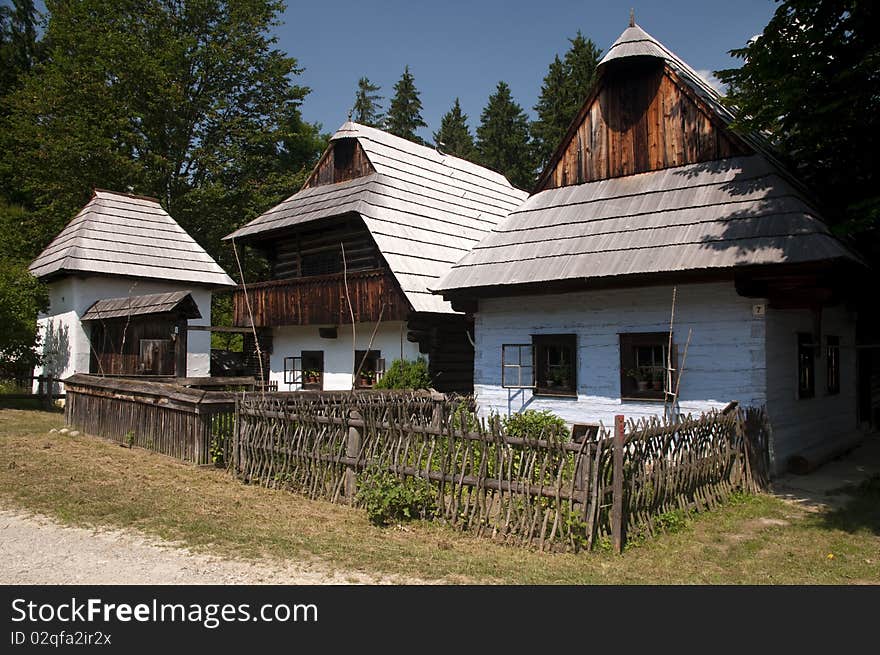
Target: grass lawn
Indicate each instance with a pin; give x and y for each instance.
(88, 481)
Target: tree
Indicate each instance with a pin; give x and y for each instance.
(454, 136)
(811, 81)
(503, 139)
(367, 108)
(21, 298)
(189, 102)
(405, 112)
(566, 86)
(18, 42)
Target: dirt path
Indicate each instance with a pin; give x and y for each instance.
(38, 550)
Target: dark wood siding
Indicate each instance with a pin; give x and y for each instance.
(143, 345)
(642, 117)
(445, 339)
(321, 300)
(317, 249)
(344, 160)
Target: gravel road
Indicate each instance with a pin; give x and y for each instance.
(38, 550)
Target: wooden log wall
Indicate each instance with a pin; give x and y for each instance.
(642, 117)
(321, 300)
(444, 338)
(316, 250)
(343, 160)
(188, 424)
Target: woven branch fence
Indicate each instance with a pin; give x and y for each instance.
(537, 492)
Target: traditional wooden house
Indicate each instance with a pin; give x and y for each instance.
(651, 197)
(378, 222)
(126, 283)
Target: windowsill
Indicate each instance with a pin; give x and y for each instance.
(646, 399)
(555, 394)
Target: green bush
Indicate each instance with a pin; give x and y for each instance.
(390, 499)
(532, 424)
(406, 374)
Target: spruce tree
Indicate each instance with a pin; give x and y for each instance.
(565, 88)
(367, 108)
(454, 136)
(405, 112)
(503, 139)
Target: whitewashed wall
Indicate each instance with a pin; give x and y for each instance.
(290, 341)
(800, 423)
(71, 296)
(725, 360)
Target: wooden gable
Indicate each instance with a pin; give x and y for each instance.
(344, 160)
(640, 117)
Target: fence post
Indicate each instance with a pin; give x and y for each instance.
(352, 450)
(236, 439)
(617, 487)
(47, 392)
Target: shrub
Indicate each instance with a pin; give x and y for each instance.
(406, 374)
(390, 499)
(532, 424)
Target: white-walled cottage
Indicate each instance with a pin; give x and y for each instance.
(377, 223)
(650, 192)
(125, 282)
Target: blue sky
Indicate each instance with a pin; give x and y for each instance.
(463, 49)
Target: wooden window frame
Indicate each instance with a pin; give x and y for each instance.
(806, 366)
(517, 366)
(832, 364)
(312, 355)
(544, 384)
(293, 370)
(378, 368)
(629, 388)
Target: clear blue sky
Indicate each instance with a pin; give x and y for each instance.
(456, 48)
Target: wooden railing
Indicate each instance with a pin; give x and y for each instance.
(321, 300)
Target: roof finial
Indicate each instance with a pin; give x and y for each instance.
(632, 17)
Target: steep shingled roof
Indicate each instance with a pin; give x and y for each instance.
(424, 209)
(122, 234)
(153, 303)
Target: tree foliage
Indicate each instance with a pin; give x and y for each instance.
(565, 88)
(18, 42)
(503, 139)
(188, 102)
(405, 111)
(367, 108)
(811, 81)
(454, 136)
(406, 374)
(21, 298)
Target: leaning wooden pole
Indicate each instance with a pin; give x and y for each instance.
(617, 487)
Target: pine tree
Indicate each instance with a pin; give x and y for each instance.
(367, 108)
(454, 136)
(405, 113)
(503, 139)
(565, 88)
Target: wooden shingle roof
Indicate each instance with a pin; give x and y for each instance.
(154, 303)
(424, 209)
(121, 234)
(713, 215)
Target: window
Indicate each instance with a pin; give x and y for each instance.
(313, 369)
(643, 365)
(293, 370)
(555, 364)
(517, 366)
(322, 263)
(806, 361)
(832, 364)
(372, 369)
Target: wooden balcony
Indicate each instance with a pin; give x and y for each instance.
(321, 300)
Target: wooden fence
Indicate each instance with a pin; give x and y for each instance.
(47, 389)
(537, 492)
(190, 424)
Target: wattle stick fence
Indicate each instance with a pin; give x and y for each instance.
(544, 493)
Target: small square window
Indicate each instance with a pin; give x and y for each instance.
(293, 370)
(555, 364)
(832, 364)
(371, 366)
(517, 366)
(644, 364)
(313, 369)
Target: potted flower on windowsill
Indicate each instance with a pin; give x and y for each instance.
(311, 377)
(641, 376)
(657, 379)
(366, 378)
